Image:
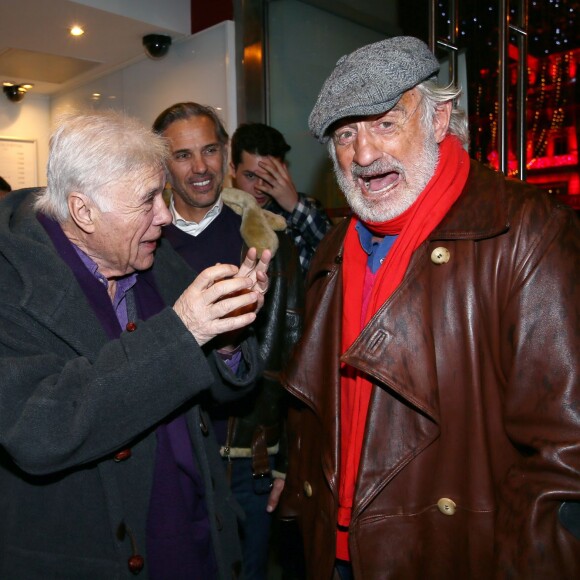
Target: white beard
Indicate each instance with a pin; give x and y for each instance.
(389, 207)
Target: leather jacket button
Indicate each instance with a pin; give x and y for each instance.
(122, 455)
(440, 255)
(307, 489)
(446, 506)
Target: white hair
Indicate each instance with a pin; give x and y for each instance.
(89, 151)
(434, 95)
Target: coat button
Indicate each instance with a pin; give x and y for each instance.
(307, 489)
(122, 455)
(446, 506)
(131, 327)
(338, 259)
(136, 563)
(440, 255)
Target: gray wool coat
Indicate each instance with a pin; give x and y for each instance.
(70, 398)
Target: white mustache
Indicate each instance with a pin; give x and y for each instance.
(377, 167)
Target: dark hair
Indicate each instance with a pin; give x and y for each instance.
(258, 139)
(4, 185)
(181, 111)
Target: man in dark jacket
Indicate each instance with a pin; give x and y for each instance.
(211, 225)
(436, 434)
(108, 466)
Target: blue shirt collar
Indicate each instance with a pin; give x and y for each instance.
(377, 251)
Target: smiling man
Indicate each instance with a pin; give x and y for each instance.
(435, 433)
(108, 466)
(196, 166)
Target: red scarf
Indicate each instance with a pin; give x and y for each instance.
(413, 227)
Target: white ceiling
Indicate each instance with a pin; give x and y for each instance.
(36, 47)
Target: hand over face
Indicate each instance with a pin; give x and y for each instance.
(206, 306)
(277, 182)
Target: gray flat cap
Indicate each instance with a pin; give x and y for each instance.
(371, 80)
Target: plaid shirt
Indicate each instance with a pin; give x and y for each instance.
(307, 225)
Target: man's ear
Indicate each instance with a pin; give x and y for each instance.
(82, 211)
(232, 172)
(441, 120)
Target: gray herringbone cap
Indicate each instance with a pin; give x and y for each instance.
(371, 80)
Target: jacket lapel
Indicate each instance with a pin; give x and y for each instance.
(480, 212)
(398, 354)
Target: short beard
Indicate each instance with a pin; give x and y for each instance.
(383, 210)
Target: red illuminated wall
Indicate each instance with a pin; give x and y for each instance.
(553, 125)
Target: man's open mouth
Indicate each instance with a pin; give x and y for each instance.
(380, 182)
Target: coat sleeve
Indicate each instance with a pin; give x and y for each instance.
(60, 409)
(541, 326)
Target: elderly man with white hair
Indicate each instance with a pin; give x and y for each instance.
(108, 465)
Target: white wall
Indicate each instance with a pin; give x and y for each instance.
(29, 120)
(200, 68)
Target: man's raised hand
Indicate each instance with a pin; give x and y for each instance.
(205, 306)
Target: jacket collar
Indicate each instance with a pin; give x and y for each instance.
(470, 219)
(479, 213)
(49, 292)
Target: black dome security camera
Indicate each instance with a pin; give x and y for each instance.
(156, 45)
(14, 93)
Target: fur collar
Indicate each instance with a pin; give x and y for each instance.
(259, 226)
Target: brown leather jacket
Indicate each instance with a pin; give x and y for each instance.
(472, 443)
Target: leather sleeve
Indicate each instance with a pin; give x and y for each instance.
(540, 326)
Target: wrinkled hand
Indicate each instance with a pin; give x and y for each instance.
(277, 182)
(205, 307)
(274, 497)
(256, 270)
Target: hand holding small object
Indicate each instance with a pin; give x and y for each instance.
(205, 307)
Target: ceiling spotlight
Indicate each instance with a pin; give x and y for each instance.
(156, 45)
(76, 30)
(14, 93)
